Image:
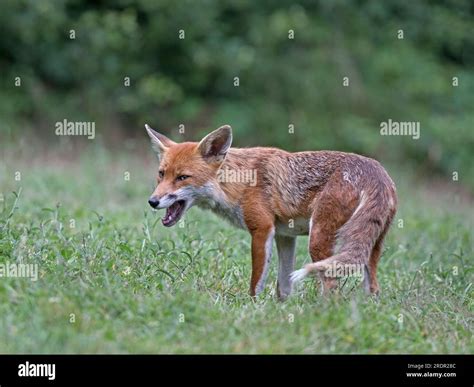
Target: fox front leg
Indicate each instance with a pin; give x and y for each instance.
(286, 246)
(262, 241)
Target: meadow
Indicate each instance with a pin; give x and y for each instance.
(112, 279)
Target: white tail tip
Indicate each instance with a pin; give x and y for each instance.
(298, 275)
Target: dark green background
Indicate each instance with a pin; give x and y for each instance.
(282, 81)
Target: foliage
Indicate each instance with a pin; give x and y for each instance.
(283, 81)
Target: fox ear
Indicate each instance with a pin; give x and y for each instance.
(159, 142)
(215, 145)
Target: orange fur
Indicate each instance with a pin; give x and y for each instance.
(348, 198)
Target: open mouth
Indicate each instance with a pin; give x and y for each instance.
(173, 213)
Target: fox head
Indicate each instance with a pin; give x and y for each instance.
(186, 170)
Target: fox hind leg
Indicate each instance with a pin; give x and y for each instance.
(371, 285)
(370, 276)
(335, 206)
(321, 243)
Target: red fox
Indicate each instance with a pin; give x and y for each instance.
(343, 201)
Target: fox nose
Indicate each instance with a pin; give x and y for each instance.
(153, 201)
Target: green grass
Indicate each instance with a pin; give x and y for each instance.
(134, 286)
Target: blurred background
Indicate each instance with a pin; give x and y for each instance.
(168, 63)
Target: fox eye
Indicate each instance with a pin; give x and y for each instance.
(182, 177)
(161, 174)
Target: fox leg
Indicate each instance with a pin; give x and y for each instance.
(260, 222)
(321, 243)
(286, 262)
(334, 207)
(370, 276)
(262, 240)
(371, 285)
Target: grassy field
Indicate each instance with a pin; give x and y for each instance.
(112, 279)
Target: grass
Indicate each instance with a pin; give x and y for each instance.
(112, 279)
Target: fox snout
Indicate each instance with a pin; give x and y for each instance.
(174, 208)
(154, 201)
